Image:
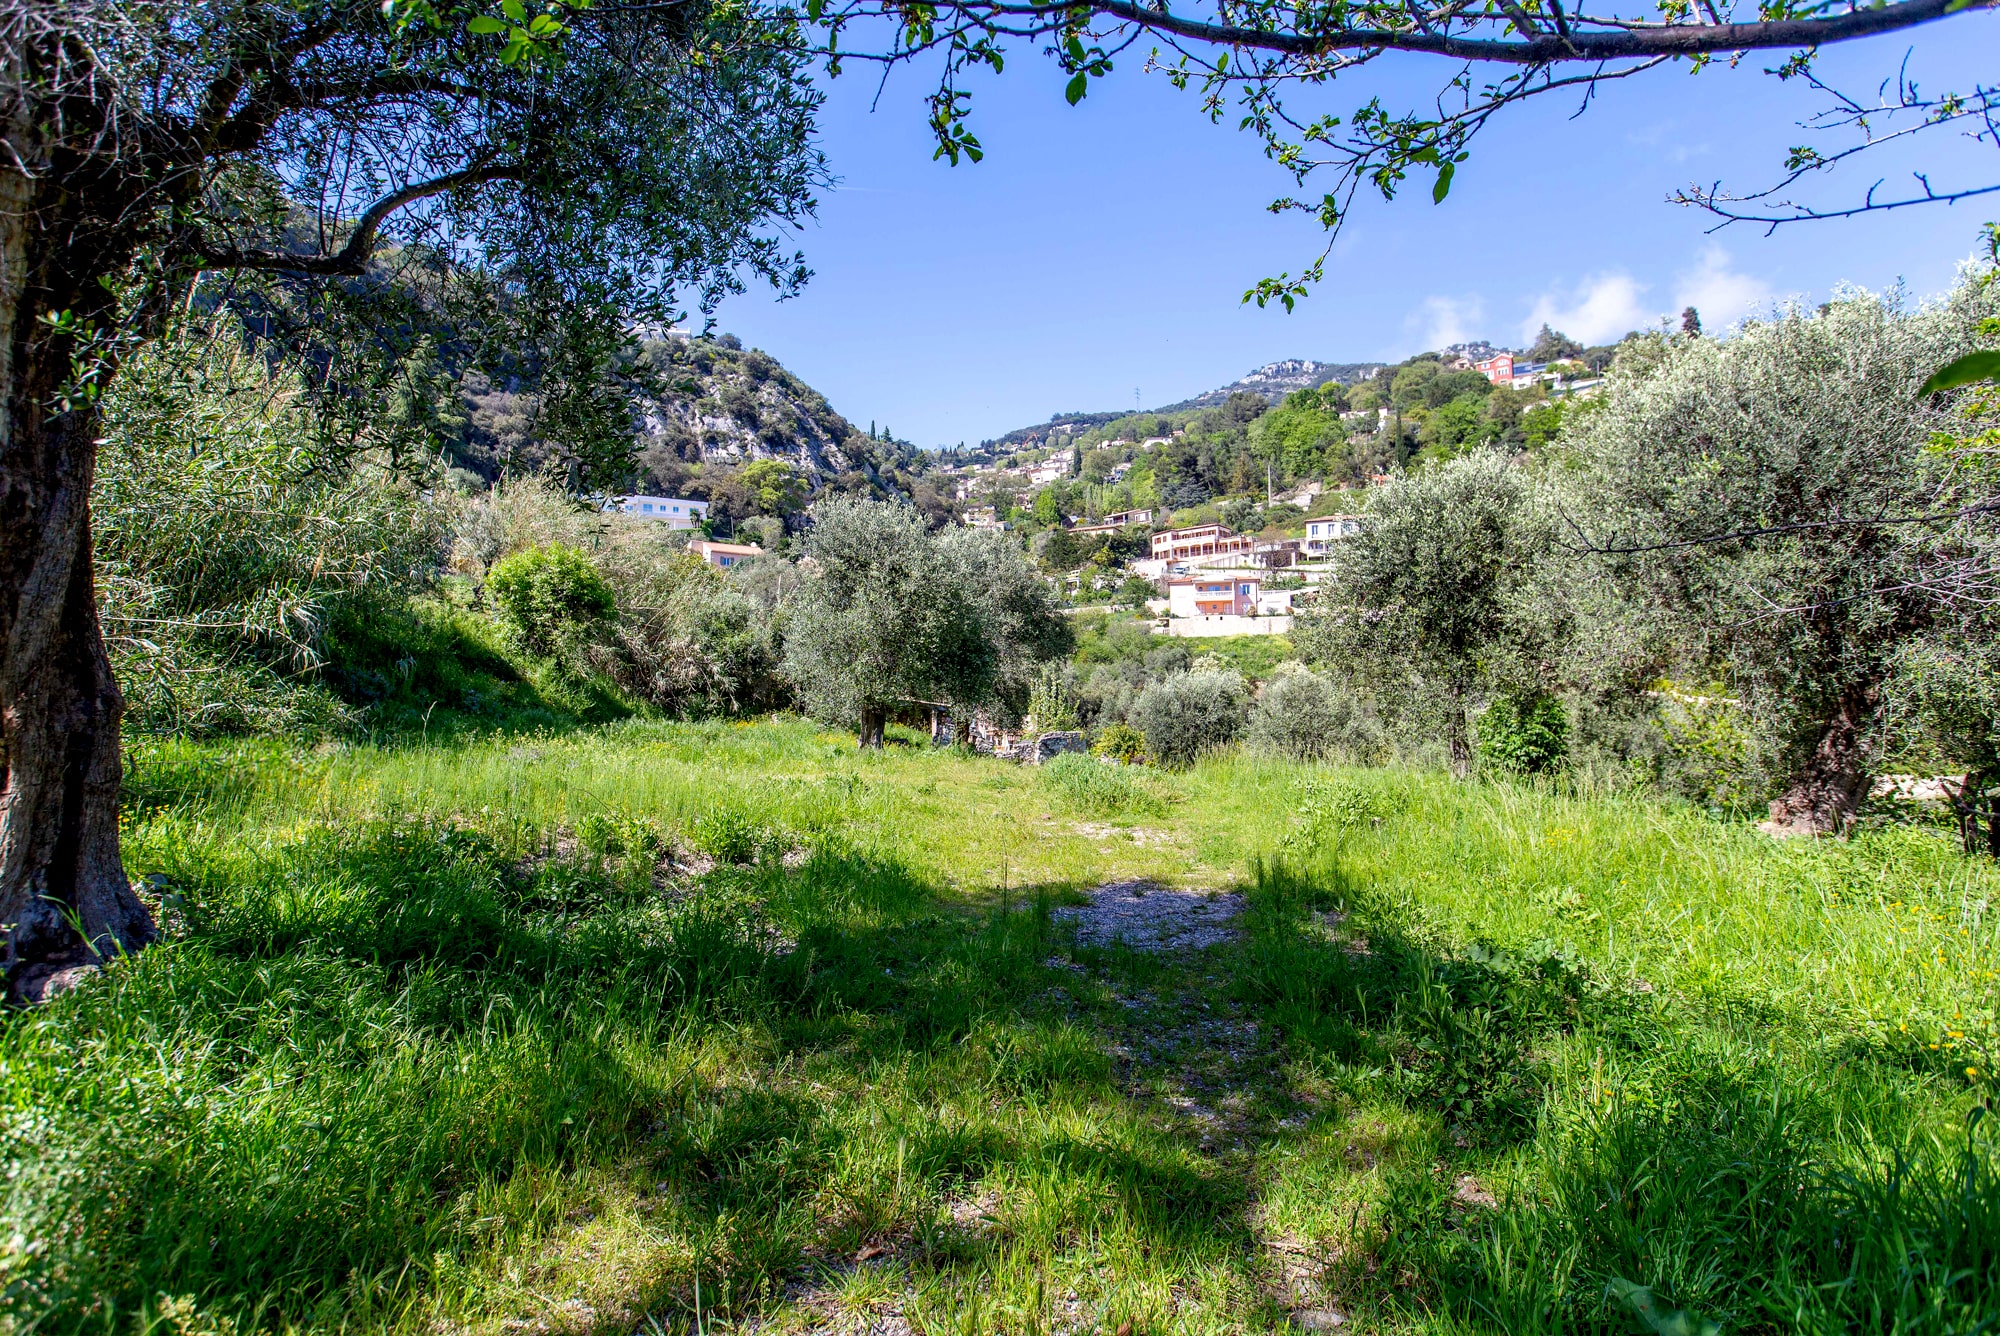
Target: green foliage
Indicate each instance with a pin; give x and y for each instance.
(1135, 592)
(548, 596)
(1053, 704)
(774, 485)
(426, 1003)
(726, 835)
(1758, 439)
(1422, 599)
(1705, 750)
(1089, 787)
(1524, 735)
(1967, 370)
(893, 612)
(230, 541)
(1121, 742)
(1459, 425)
(1327, 811)
(1047, 507)
(1186, 716)
(1302, 715)
(1541, 424)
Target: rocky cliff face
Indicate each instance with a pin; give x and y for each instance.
(725, 404)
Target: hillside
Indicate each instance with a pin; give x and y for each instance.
(1275, 380)
(1271, 382)
(698, 404)
(727, 404)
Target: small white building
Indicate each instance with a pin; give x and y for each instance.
(677, 512)
(1212, 595)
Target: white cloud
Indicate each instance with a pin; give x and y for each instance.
(1601, 308)
(1722, 295)
(1448, 320)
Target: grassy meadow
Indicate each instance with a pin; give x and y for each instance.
(706, 1028)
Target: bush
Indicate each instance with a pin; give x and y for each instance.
(1524, 736)
(1188, 714)
(1302, 715)
(546, 594)
(1121, 742)
(1135, 591)
(1094, 788)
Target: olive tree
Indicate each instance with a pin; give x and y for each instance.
(602, 158)
(1770, 504)
(1422, 598)
(891, 613)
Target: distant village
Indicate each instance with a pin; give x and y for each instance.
(1139, 511)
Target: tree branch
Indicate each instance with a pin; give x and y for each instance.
(1575, 42)
(352, 259)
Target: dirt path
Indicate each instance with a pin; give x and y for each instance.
(1190, 1055)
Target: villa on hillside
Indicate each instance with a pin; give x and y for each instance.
(1114, 522)
(1212, 596)
(1055, 467)
(1201, 540)
(677, 512)
(1212, 603)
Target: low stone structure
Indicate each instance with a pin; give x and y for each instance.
(1051, 745)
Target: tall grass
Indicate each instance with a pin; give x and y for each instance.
(670, 1024)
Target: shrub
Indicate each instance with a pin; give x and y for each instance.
(1302, 715)
(1135, 591)
(1327, 810)
(1053, 704)
(725, 835)
(546, 594)
(1188, 714)
(1121, 742)
(1094, 788)
(1524, 735)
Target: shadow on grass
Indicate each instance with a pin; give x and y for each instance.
(391, 1070)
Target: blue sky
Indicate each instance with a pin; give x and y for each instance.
(1104, 248)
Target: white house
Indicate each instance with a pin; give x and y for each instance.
(1324, 532)
(1056, 466)
(678, 512)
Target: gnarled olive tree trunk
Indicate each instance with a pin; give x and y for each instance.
(1823, 797)
(64, 896)
(874, 718)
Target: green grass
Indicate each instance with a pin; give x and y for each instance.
(699, 1027)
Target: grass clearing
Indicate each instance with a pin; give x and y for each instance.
(727, 1027)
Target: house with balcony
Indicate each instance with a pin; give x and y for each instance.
(1214, 594)
(1114, 522)
(1198, 541)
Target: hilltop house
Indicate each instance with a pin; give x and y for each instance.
(677, 512)
(1054, 468)
(1114, 522)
